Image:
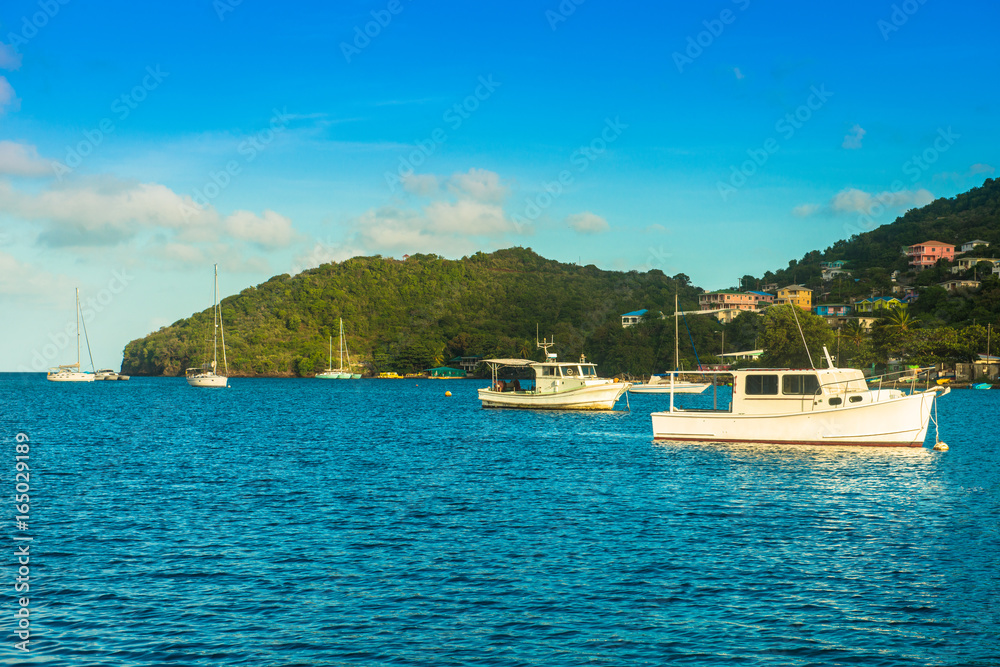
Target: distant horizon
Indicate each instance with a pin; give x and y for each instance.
(140, 147)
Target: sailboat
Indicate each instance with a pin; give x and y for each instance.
(72, 372)
(330, 373)
(343, 372)
(206, 376)
(662, 384)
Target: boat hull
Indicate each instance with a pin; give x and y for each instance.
(208, 380)
(591, 397)
(70, 377)
(899, 422)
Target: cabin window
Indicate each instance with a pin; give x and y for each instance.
(855, 399)
(548, 370)
(835, 400)
(569, 371)
(589, 370)
(762, 385)
(799, 384)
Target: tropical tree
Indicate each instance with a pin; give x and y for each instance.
(782, 340)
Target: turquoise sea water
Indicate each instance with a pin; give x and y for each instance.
(302, 522)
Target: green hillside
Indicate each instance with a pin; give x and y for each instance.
(409, 315)
(873, 256)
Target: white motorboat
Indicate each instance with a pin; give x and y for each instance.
(555, 385)
(667, 383)
(109, 374)
(661, 384)
(206, 375)
(72, 372)
(831, 406)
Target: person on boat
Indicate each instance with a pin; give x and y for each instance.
(516, 385)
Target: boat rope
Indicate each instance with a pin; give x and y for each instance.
(627, 404)
(804, 344)
(87, 338)
(693, 348)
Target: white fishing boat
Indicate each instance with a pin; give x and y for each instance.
(664, 384)
(72, 372)
(831, 406)
(554, 385)
(206, 375)
(343, 372)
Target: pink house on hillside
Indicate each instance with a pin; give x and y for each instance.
(923, 255)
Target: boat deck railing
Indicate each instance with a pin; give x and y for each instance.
(843, 389)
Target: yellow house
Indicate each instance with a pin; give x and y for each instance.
(796, 295)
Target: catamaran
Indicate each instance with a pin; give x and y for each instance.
(205, 376)
(72, 372)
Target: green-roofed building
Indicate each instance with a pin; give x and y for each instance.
(443, 372)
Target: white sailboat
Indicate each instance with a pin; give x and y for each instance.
(330, 373)
(663, 384)
(206, 376)
(343, 372)
(72, 372)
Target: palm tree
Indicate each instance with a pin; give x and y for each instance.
(899, 320)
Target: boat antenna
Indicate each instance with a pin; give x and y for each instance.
(808, 354)
(545, 344)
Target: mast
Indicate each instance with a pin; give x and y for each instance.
(675, 332)
(78, 328)
(215, 319)
(341, 343)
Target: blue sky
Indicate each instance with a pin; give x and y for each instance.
(140, 144)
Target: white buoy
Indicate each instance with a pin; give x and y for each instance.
(940, 447)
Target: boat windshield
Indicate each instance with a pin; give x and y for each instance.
(589, 371)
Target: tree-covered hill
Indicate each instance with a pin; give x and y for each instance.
(872, 256)
(412, 314)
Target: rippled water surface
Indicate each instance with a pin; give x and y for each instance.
(307, 522)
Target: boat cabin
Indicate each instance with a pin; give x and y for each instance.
(762, 391)
(545, 377)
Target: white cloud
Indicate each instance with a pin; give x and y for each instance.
(738, 73)
(655, 228)
(9, 57)
(805, 210)
(22, 160)
(480, 184)
(271, 230)
(8, 98)
(853, 200)
(321, 253)
(980, 168)
(22, 280)
(853, 139)
(587, 223)
(420, 184)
